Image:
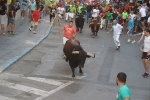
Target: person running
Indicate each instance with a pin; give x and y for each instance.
(108, 15)
(52, 12)
(88, 12)
(24, 7)
(72, 11)
(67, 10)
(41, 10)
(116, 28)
(3, 11)
(123, 90)
(146, 52)
(102, 17)
(69, 32)
(125, 16)
(130, 26)
(32, 6)
(34, 21)
(61, 11)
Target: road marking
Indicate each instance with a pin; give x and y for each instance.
(44, 80)
(6, 98)
(23, 88)
(55, 90)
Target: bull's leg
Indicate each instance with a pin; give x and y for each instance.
(73, 75)
(80, 30)
(93, 34)
(80, 71)
(77, 29)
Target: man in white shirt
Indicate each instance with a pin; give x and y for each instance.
(142, 12)
(116, 28)
(94, 13)
(146, 52)
(132, 15)
(61, 11)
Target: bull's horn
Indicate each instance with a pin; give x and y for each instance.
(75, 52)
(93, 56)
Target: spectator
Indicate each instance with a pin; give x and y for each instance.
(46, 4)
(35, 18)
(146, 52)
(24, 7)
(3, 12)
(123, 91)
(11, 18)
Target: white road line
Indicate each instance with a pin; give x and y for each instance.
(6, 98)
(23, 88)
(44, 80)
(55, 90)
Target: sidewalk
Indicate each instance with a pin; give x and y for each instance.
(13, 47)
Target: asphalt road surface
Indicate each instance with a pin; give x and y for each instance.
(43, 74)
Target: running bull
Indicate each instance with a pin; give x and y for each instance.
(79, 21)
(95, 26)
(76, 55)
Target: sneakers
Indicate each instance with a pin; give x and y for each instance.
(128, 40)
(34, 32)
(133, 41)
(30, 29)
(118, 48)
(3, 34)
(12, 33)
(145, 75)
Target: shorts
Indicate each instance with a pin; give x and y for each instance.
(34, 23)
(71, 15)
(65, 40)
(145, 56)
(2, 19)
(137, 22)
(60, 15)
(107, 21)
(11, 21)
(130, 32)
(41, 14)
(24, 7)
(52, 15)
(143, 18)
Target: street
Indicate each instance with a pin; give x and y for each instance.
(43, 74)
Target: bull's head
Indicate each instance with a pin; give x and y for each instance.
(82, 55)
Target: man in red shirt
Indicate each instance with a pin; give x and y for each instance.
(59, 4)
(69, 32)
(34, 19)
(120, 20)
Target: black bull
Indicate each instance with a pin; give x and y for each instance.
(79, 21)
(75, 55)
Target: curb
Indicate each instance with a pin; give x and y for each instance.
(13, 60)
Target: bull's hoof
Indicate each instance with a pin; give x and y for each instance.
(81, 73)
(80, 31)
(93, 36)
(73, 78)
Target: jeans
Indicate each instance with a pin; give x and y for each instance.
(88, 15)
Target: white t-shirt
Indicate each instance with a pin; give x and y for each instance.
(131, 1)
(132, 16)
(143, 12)
(147, 44)
(60, 10)
(148, 19)
(117, 29)
(94, 13)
